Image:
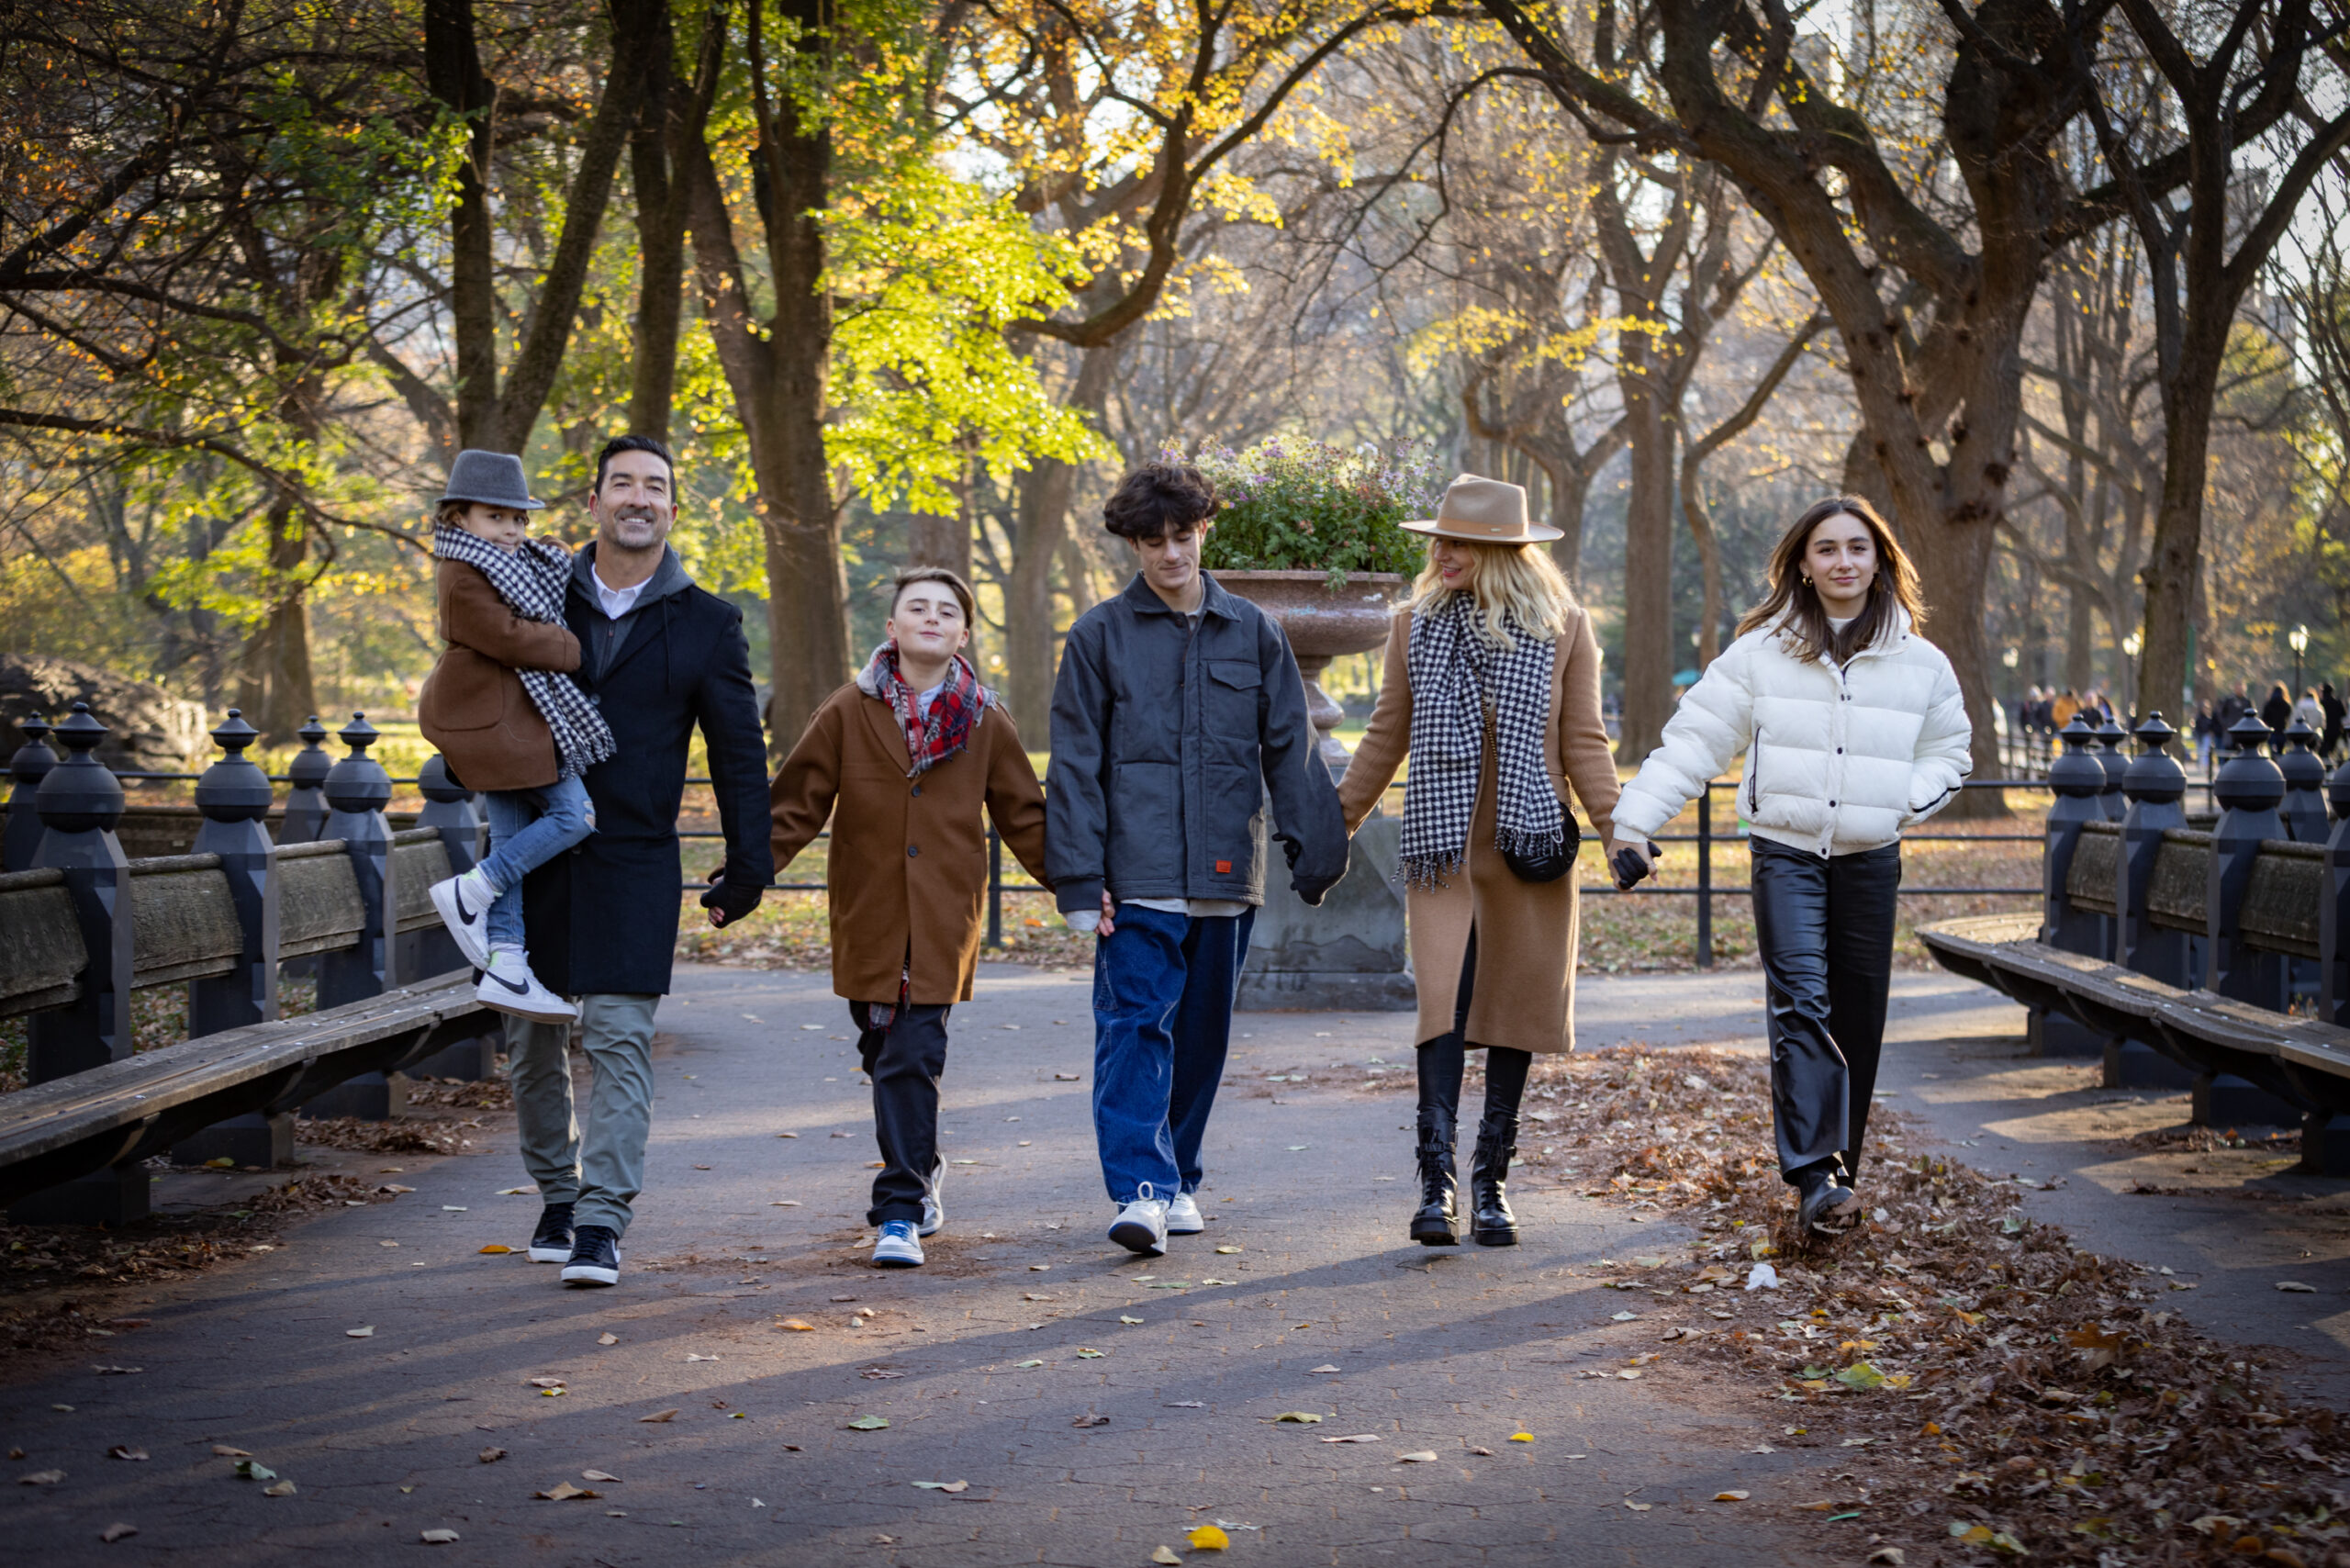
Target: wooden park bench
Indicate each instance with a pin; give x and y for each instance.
(2216, 961)
(83, 926)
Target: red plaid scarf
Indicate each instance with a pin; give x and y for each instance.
(933, 738)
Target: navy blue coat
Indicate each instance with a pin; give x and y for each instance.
(603, 918)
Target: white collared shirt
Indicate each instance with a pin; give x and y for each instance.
(617, 602)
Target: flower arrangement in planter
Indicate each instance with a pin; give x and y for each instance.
(1290, 504)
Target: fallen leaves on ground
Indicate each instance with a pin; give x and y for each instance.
(497, 1249)
(658, 1416)
(1163, 1555)
(42, 1478)
(868, 1423)
(2000, 1390)
(117, 1531)
(490, 1456)
(598, 1475)
(565, 1492)
(1302, 1417)
(943, 1485)
(438, 1537)
(608, 1339)
(1208, 1538)
(1357, 1437)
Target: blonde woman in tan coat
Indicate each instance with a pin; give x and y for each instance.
(1492, 690)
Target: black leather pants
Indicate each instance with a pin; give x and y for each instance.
(1825, 928)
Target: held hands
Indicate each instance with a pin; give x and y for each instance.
(1108, 924)
(729, 901)
(1632, 862)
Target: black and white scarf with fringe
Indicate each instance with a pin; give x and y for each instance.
(532, 579)
(1454, 673)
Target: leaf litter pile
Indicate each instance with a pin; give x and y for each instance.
(2001, 1394)
(46, 1271)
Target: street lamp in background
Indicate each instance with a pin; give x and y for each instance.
(2131, 645)
(2298, 639)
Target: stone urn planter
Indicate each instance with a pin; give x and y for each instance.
(1350, 954)
(1322, 624)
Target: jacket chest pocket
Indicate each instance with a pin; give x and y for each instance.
(1231, 702)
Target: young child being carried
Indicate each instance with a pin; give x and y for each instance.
(507, 717)
(902, 760)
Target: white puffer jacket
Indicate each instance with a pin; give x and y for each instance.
(1836, 760)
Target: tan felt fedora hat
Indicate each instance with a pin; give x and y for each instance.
(1487, 511)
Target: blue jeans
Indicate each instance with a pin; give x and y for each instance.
(527, 829)
(1163, 986)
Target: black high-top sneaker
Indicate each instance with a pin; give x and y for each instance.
(551, 1243)
(595, 1258)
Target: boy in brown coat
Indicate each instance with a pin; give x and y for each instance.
(507, 716)
(902, 760)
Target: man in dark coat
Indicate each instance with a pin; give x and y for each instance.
(657, 656)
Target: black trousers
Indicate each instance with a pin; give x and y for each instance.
(1443, 1061)
(905, 1061)
(1825, 927)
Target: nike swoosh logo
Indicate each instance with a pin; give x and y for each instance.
(517, 990)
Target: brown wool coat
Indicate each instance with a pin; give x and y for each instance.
(1524, 997)
(472, 706)
(908, 870)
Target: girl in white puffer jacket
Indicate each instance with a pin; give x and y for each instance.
(1853, 729)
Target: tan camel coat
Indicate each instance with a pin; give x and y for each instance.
(908, 869)
(1524, 997)
(472, 707)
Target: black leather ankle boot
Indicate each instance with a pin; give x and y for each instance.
(1491, 1219)
(1435, 1223)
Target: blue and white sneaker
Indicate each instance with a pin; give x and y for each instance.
(463, 903)
(508, 986)
(933, 1209)
(897, 1246)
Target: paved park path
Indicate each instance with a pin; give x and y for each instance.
(1435, 1352)
(979, 1363)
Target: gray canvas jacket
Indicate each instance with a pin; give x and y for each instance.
(1166, 745)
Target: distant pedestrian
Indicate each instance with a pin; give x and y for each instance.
(659, 657)
(1853, 729)
(2330, 733)
(2061, 712)
(507, 719)
(1178, 713)
(902, 761)
(2276, 712)
(2232, 706)
(2309, 712)
(2205, 732)
(1492, 690)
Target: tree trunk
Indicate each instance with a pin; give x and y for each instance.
(274, 687)
(1650, 653)
(1040, 522)
(2174, 562)
(660, 238)
(452, 73)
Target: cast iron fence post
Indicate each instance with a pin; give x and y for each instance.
(2333, 908)
(80, 802)
(357, 789)
(306, 803)
(1705, 876)
(995, 887)
(2304, 807)
(27, 767)
(234, 796)
(2249, 787)
(2077, 778)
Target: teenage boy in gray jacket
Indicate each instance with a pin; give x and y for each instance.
(1178, 709)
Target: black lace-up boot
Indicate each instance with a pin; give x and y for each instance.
(1436, 1221)
(1491, 1220)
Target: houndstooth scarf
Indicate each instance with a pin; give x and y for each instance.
(1454, 672)
(531, 580)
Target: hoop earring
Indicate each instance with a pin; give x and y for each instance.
(1806, 582)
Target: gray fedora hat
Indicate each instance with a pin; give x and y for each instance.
(492, 479)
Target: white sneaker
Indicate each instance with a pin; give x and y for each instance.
(508, 986)
(897, 1246)
(1183, 1216)
(1141, 1226)
(464, 902)
(934, 1212)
